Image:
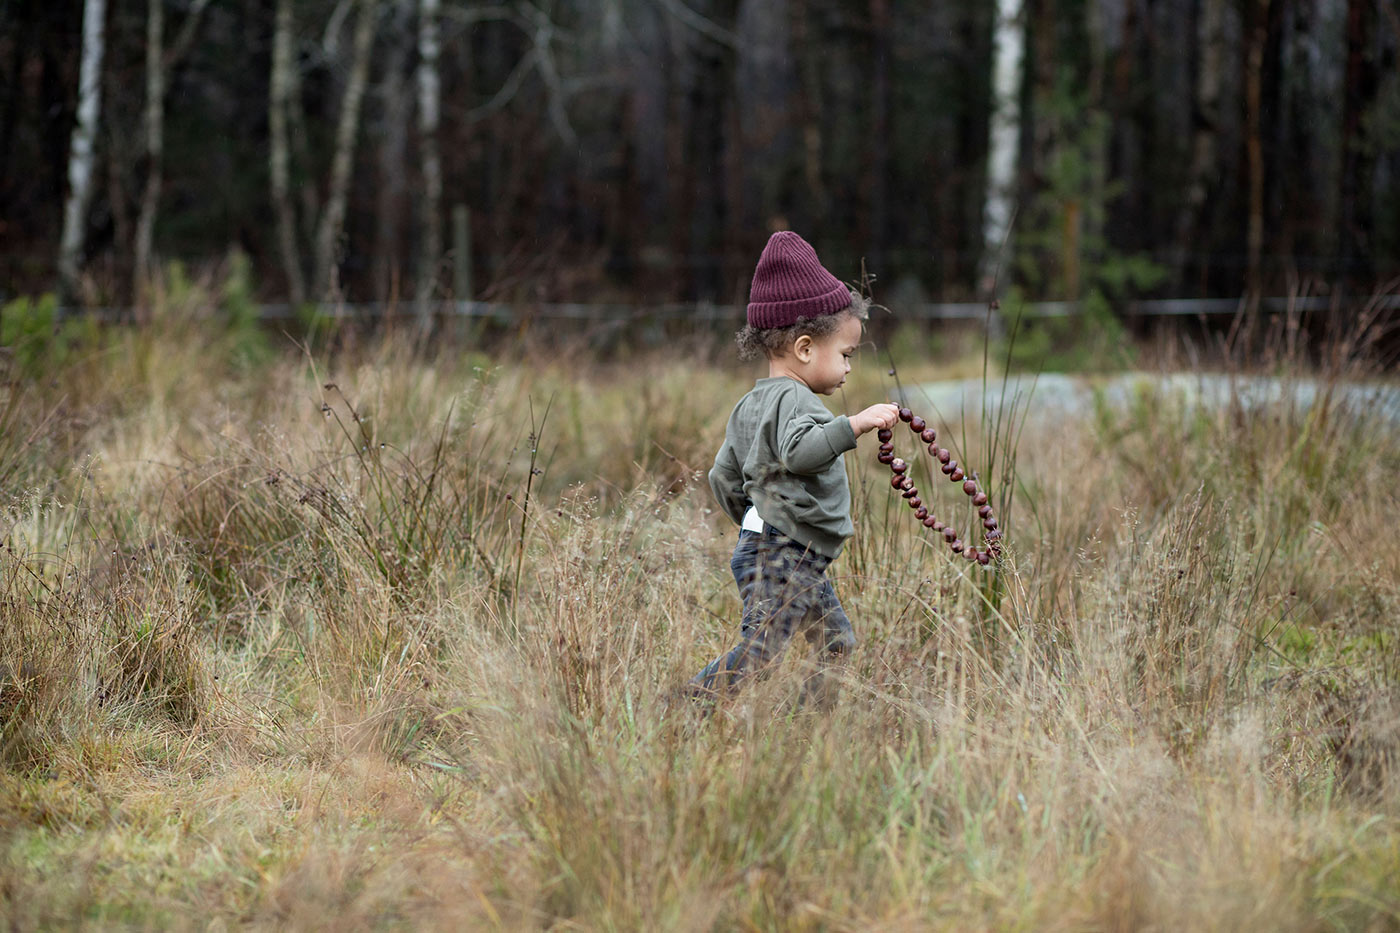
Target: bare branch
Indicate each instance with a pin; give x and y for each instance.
(181, 46)
(330, 40)
(544, 61)
(706, 27)
(508, 88)
(474, 15)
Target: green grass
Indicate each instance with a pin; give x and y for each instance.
(267, 664)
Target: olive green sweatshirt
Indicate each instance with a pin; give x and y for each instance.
(782, 454)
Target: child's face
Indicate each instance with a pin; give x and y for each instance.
(828, 359)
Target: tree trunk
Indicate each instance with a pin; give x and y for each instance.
(391, 193)
(805, 53)
(1358, 90)
(1206, 120)
(1258, 27)
(343, 159)
(429, 110)
(279, 169)
(880, 26)
(81, 152)
(155, 141)
(1091, 225)
(709, 101)
(159, 63)
(1005, 140)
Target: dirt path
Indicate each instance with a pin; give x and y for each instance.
(1074, 395)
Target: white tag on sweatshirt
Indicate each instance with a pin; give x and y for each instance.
(751, 521)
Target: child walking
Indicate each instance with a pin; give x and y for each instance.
(780, 474)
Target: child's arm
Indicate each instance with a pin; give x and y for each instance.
(808, 445)
(727, 483)
(882, 415)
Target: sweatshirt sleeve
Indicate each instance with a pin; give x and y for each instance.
(809, 442)
(727, 483)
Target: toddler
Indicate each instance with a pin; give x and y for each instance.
(780, 474)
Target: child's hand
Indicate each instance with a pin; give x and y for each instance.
(883, 415)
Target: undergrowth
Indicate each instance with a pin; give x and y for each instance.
(372, 639)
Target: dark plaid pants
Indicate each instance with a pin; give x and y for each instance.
(785, 590)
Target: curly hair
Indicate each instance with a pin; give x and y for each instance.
(769, 342)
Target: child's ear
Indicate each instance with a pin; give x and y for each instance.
(802, 347)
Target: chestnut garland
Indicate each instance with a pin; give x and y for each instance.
(900, 481)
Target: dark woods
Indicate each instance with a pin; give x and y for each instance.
(641, 150)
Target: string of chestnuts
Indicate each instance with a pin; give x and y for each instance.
(901, 481)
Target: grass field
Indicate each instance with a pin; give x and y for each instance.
(363, 639)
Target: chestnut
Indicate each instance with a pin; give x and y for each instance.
(898, 465)
(910, 491)
(980, 499)
(938, 527)
(905, 414)
(949, 467)
(984, 558)
(943, 455)
(949, 534)
(956, 475)
(885, 457)
(915, 502)
(970, 488)
(957, 546)
(897, 481)
(931, 522)
(990, 524)
(928, 435)
(885, 435)
(920, 512)
(984, 512)
(917, 424)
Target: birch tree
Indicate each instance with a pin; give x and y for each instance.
(81, 148)
(332, 224)
(159, 62)
(283, 106)
(279, 156)
(1005, 138)
(429, 110)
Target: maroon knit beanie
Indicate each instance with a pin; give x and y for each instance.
(789, 282)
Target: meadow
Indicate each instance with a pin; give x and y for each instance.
(366, 637)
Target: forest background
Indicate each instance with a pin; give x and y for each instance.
(366, 630)
(628, 151)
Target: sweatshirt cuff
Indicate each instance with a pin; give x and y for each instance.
(840, 435)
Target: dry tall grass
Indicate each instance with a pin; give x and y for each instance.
(375, 641)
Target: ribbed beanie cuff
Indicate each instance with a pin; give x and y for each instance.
(790, 282)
